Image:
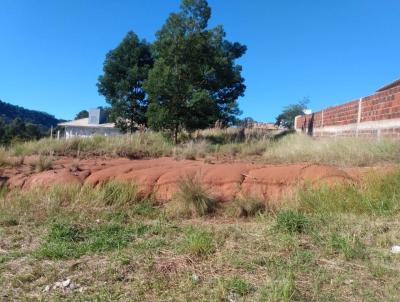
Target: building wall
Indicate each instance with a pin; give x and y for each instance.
(76, 131)
(377, 115)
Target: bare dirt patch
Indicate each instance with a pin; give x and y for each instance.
(161, 176)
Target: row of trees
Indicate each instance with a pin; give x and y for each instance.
(18, 130)
(187, 79)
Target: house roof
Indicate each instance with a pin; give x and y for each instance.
(84, 122)
(388, 86)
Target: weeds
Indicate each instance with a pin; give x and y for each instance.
(72, 232)
(350, 246)
(71, 241)
(378, 194)
(338, 151)
(44, 163)
(192, 199)
(247, 206)
(198, 242)
(292, 221)
(119, 193)
(237, 286)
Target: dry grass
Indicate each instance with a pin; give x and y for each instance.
(336, 151)
(138, 145)
(109, 235)
(192, 199)
(43, 163)
(269, 147)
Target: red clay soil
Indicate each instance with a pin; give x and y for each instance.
(161, 176)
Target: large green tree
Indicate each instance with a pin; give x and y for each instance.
(195, 80)
(125, 69)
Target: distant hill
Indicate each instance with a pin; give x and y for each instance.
(9, 112)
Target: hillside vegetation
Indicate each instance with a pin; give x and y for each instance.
(9, 112)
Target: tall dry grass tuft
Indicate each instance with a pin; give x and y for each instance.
(43, 163)
(192, 199)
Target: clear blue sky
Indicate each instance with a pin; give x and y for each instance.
(52, 51)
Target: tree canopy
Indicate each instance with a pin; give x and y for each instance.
(81, 114)
(18, 130)
(125, 69)
(286, 118)
(194, 81)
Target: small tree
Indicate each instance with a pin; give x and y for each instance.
(286, 118)
(194, 81)
(125, 69)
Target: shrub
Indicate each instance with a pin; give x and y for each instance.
(292, 221)
(191, 199)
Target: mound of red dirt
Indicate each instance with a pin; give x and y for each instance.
(162, 176)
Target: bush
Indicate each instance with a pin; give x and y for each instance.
(292, 221)
(192, 199)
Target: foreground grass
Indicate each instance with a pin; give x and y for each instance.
(327, 244)
(209, 144)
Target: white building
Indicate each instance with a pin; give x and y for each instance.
(92, 125)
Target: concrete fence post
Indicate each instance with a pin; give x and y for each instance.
(322, 119)
(359, 115)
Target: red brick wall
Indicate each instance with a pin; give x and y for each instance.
(342, 120)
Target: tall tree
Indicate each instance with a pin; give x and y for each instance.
(125, 69)
(194, 81)
(286, 118)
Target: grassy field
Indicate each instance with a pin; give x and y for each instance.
(267, 147)
(108, 243)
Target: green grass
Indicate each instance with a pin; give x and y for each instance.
(72, 241)
(310, 250)
(376, 194)
(292, 221)
(237, 286)
(198, 242)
